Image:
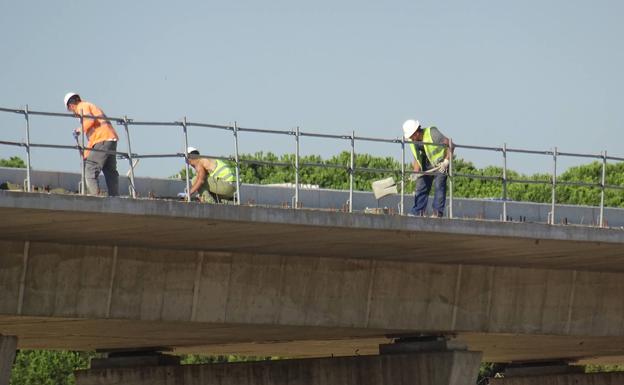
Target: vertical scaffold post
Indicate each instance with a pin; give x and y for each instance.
(402, 204)
(236, 159)
(603, 180)
(450, 175)
(83, 177)
(554, 188)
(297, 133)
(132, 188)
(351, 171)
(28, 165)
(186, 161)
(504, 182)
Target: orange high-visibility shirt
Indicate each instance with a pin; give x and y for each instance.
(97, 130)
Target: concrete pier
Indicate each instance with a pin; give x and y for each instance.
(8, 345)
(430, 368)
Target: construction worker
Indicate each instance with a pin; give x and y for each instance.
(101, 136)
(214, 180)
(433, 160)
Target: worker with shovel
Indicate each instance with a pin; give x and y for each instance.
(432, 154)
(102, 136)
(215, 180)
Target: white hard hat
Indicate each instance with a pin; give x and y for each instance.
(68, 96)
(409, 128)
(191, 149)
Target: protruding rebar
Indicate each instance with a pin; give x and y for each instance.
(351, 171)
(603, 181)
(186, 161)
(504, 182)
(296, 203)
(237, 161)
(132, 186)
(28, 165)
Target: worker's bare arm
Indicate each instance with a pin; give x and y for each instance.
(199, 179)
(450, 149)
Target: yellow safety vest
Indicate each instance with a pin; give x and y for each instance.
(435, 154)
(223, 172)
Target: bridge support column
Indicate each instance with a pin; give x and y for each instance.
(8, 344)
(422, 368)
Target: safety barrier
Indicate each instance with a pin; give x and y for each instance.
(297, 134)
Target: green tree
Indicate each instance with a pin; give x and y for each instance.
(14, 161)
(47, 367)
(190, 359)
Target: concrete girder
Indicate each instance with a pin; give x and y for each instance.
(166, 297)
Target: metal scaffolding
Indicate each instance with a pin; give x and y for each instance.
(350, 168)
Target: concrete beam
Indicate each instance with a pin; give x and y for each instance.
(8, 344)
(439, 368)
(183, 298)
(84, 281)
(193, 226)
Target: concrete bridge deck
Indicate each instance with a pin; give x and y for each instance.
(87, 272)
(244, 229)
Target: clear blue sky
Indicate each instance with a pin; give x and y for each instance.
(534, 74)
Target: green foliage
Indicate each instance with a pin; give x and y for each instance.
(181, 175)
(47, 367)
(14, 161)
(190, 359)
(603, 368)
(333, 177)
(488, 370)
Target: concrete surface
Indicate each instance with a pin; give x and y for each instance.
(7, 355)
(614, 378)
(193, 226)
(83, 297)
(448, 368)
(88, 272)
(489, 209)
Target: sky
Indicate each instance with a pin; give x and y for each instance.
(532, 74)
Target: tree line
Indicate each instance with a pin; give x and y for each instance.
(463, 187)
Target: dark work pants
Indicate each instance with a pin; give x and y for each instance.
(423, 187)
(97, 162)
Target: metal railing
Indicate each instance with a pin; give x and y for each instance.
(351, 169)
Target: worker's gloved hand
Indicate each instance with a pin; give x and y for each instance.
(443, 167)
(415, 177)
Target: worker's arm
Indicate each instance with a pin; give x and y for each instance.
(416, 165)
(199, 179)
(449, 149)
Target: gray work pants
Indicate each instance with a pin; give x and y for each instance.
(98, 162)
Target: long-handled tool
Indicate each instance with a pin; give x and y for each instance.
(76, 135)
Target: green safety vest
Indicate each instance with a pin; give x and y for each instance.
(223, 172)
(435, 154)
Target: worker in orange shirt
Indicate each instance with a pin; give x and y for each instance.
(102, 136)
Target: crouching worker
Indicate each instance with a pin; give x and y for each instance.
(214, 180)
